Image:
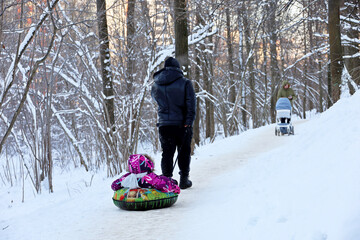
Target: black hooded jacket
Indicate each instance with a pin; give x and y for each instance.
(175, 97)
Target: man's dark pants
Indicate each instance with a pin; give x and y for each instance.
(172, 138)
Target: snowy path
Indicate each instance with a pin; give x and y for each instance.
(90, 214)
(112, 223)
(252, 186)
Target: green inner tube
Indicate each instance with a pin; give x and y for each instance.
(143, 199)
(146, 205)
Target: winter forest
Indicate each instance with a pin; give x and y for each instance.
(75, 75)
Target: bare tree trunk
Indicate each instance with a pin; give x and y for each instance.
(47, 142)
(275, 74)
(196, 130)
(224, 119)
(107, 83)
(336, 60)
(305, 81)
(181, 43)
(181, 35)
(232, 124)
(48, 161)
(1, 23)
(353, 63)
(266, 108)
(250, 64)
(130, 121)
(232, 94)
(311, 60)
(321, 91)
(329, 87)
(320, 76)
(208, 74)
(306, 62)
(197, 76)
(105, 64)
(242, 66)
(130, 27)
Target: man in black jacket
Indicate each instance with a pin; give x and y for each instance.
(175, 97)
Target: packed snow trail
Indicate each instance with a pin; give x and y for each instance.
(112, 223)
(91, 214)
(252, 186)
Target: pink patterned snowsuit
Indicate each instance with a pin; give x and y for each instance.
(141, 168)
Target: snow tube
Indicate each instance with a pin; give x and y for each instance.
(143, 199)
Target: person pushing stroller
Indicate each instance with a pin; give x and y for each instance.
(285, 98)
(286, 92)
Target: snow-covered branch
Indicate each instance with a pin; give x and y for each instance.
(23, 46)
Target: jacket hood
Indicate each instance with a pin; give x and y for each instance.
(167, 75)
(284, 83)
(139, 163)
(172, 62)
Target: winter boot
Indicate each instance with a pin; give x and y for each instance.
(185, 182)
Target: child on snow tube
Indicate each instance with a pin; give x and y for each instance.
(141, 175)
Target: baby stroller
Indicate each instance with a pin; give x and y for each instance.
(283, 117)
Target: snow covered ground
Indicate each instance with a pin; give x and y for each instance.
(252, 186)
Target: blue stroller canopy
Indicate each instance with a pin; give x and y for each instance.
(283, 103)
